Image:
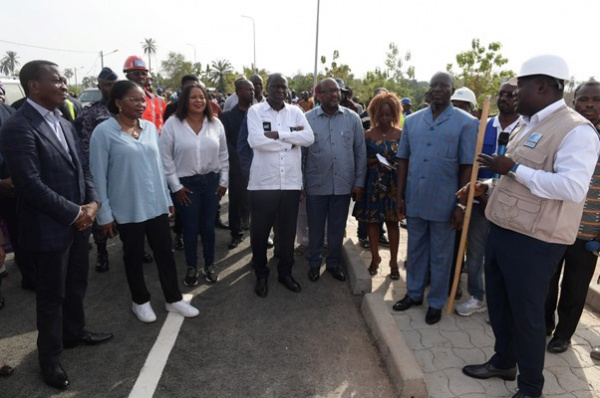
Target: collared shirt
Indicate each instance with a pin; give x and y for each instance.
(128, 174)
(574, 162)
(52, 118)
(277, 164)
(232, 101)
(435, 149)
(337, 160)
(185, 153)
(499, 129)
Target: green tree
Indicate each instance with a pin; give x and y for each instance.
(149, 46)
(336, 70)
(89, 81)
(481, 69)
(174, 68)
(9, 63)
(68, 74)
(220, 74)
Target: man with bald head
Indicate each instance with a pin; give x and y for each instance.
(276, 131)
(435, 158)
(334, 172)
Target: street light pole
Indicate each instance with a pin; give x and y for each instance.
(316, 47)
(102, 57)
(194, 47)
(253, 39)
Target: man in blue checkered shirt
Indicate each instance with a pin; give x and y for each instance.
(435, 155)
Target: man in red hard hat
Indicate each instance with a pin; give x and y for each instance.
(135, 70)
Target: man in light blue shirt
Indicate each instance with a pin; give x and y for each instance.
(335, 166)
(435, 155)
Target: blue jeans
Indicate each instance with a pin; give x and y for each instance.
(334, 210)
(479, 228)
(199, 217)
(430, 249)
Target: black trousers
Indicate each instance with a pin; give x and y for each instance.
(8, 211)
(239, 202)
(159, 238)
(61, 278)
(266, 209)
(579, 265)
(518, 269)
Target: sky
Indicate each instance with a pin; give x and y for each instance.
(434, 31)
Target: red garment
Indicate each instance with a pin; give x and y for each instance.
(154, 110)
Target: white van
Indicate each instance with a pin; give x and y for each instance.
(13, 88)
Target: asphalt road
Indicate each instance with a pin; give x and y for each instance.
(312, 344)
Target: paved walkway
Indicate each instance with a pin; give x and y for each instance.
(443, 349)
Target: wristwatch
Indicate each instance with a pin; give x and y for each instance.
(461, 206)
(513, 170)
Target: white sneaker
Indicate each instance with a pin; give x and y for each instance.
(470, 307)
(144, 312)
(182, 307)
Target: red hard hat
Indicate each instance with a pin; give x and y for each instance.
(134, 62)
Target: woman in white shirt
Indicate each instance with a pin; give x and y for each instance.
(196, 162)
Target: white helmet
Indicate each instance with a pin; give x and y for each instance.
(548, 65)
(464, 94)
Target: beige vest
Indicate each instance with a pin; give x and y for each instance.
(514, 207)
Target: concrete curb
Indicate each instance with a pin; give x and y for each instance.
(360, 280)
(405, 373)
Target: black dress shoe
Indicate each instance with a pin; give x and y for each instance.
(147, 259)
(556, 345)
(6, 370)
(314, 273)
(220, 224)
(434, 315)
(337, 274)
(88, 338)
(487, 370)
(102, 264)
(406, 303)
(290, 283)
(54, 375)
(262, 287)
(235, 242)
(178, 243)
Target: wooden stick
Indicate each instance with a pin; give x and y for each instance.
(465, 229)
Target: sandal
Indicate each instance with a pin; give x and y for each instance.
(395, 273)
(374, 267)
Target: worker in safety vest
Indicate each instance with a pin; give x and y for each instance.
(135, 70)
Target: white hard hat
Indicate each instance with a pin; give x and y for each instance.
(548, 65)
(464, 94)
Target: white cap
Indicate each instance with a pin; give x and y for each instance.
(548, 65)
(464, 94)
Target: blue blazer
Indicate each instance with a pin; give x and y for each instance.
(51, 184)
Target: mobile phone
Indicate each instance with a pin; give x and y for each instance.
(267, 126)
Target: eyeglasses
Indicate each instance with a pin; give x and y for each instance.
(136, 100)
(139, 73)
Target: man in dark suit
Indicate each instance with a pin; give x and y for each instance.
(57, 205)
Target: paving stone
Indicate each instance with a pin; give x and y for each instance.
(470, 356)
(459, 386)
(425, 358)
(459, 339)
(432, 338)
(478, 337)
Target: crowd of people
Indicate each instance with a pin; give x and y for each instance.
(130, 163)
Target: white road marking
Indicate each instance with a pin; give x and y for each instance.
(149, 376)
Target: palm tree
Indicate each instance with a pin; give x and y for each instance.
(219, 70)
(149, 46)
(68, 74)
(9, 63)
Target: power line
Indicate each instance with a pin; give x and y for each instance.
(48, 48)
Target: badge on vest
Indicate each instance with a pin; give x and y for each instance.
(533, 140)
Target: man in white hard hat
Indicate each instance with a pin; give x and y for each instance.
(464, 98)
(534, 210)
